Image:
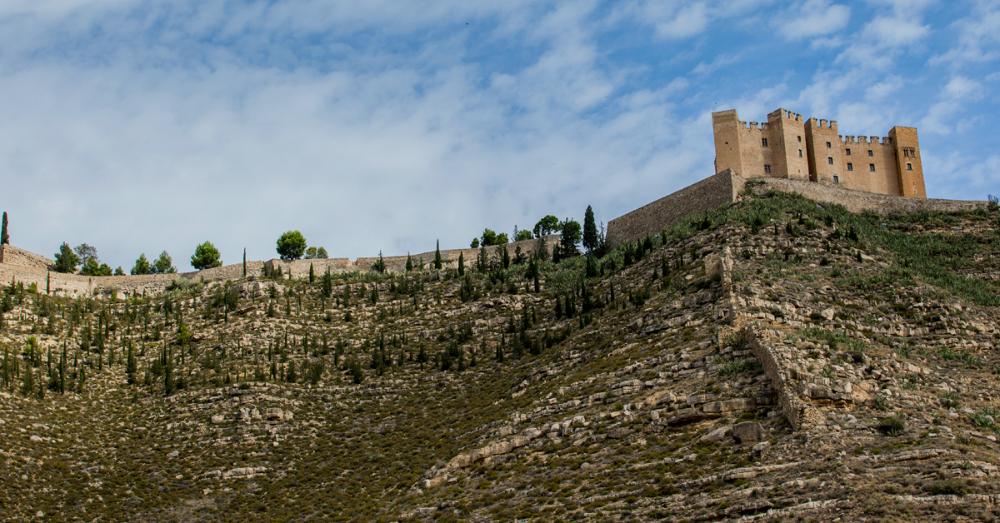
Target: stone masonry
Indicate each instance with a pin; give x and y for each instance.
(726, 187)
(789, 147)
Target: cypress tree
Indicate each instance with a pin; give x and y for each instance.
(168, 372)
(461, 264)
(327, 284)
(4, 235)
(504, 257)
(409, 263)
(312, 274)
(591, 269)
(81, 379)
(590, 238)
(437, 255)
(62, 370)
(130, 366)
(244, 262)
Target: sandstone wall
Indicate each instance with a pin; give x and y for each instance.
(13, 256)
(449, 258)
(29, 268)
(860, 201)
(708, 194)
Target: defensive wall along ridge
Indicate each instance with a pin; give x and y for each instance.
(706, 195)
(18, 265)
(727, 187)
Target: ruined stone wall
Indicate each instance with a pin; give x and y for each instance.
(13, 256)
(449, 259)
(29, 268)
(706, 195)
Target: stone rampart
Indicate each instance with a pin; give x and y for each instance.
(861, 201)
(725, 187)
(13, 256)
(449, 259)
(706, 195)
(29, 268)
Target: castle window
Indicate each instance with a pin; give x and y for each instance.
(829, 160)
(848, 151)
(871, 167)
(800, 138)
(767, 168)
(763, 142)
(800, 153)
(850, 166)
(829, 145)
(909, 166)
(836, 179)
(870, 153)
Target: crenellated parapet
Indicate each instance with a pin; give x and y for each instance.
(792, 147)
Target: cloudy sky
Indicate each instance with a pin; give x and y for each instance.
(138, 126)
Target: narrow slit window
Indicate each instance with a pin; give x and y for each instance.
(800, 153)
(763, 142)
(767, 168)
(829, 160)
(870, 153)
(850, 166)
(836, 179)
(909, 166)
(848, 151)
(829, 145)
(871, 167)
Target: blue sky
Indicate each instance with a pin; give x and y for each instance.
(139, 126)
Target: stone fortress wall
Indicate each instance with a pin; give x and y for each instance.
(18, 265)
(727, 187)
(706, 195)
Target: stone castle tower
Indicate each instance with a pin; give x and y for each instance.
(786, 146)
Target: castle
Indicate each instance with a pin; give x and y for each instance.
(806, 157)
(787, 147)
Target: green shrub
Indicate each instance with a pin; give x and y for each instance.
(891, 426)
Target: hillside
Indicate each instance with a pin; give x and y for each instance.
(775, 359)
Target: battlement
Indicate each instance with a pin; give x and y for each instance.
(866, 140)
(784, 113)
(786, 146)
(821, 123)
(749, 126)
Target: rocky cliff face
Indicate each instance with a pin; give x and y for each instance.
(775, 359)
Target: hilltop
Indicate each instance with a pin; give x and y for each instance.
(776, 358)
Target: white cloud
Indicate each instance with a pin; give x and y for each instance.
(719, 62)
(883, 89)
(894, 32)
(941, 117)
(58, 8)
(977, 37)
(812, 18)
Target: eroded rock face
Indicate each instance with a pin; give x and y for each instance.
(748, 432)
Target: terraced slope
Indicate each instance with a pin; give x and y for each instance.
(776, 359)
